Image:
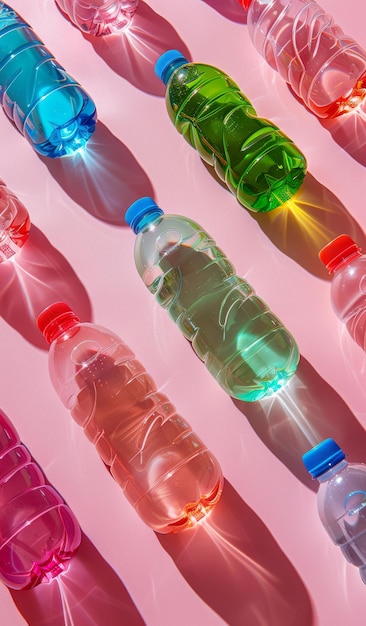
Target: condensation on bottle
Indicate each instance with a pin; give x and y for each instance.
(165, 471)
(346, 264)
(14, 223)
(242, 343)
(325, 67)
(341, 499)
(38, 531)
(47, 105)
(260, 165)
(99, 17)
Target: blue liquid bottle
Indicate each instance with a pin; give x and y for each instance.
(243, 345)
(46, 104)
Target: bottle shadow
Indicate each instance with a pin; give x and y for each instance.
(235, 565)
(35, 278)
(229, 9)
(89, 592)
(304, 224)
(301, 415)
(104, 177)
(132, 53)
(349, 132)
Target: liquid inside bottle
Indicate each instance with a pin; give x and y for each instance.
(45, 103)
(164, 469)
(38, 532)
(242, 343)
(324, 67)
(14, 223)
(260, 165)
(100, 17)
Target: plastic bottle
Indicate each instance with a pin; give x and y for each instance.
(164, 469)
(243, 345)
(324, 67)
(99, 17)
(260, 165)
(341, 499)
(38, 531)
(46, 104)
(347, 266)
(14, 223)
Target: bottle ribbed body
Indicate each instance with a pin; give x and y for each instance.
(260, 165)
(166, 472)
(99, 17)
(342, 510)
(348, 297)
(38, 531)
(14, 223)
(323, 66)
(242, 343)
(45, 103)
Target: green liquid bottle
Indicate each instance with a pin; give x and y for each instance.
(243, 345)
(260, 165)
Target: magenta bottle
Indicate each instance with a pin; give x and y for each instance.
(325, 68)
(166, 472)
(99, 17)
(38, 531)
(347, 265)
(14, 223)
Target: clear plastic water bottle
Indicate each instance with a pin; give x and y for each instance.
(99, 17)
(341, 499)
(325, 68)
(166, 472)
(243, 345)
(14, 223)
(347, 265)
(46, 104)
(38, 531)
(260, 165)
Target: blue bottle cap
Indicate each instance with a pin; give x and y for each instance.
(322, 457)
(167, 62)
(141, 212)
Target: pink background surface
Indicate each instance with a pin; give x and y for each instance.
(262, 557)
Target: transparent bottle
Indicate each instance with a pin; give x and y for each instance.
(164, 469)
(260, 165)
(243, 345)
(38, 531)
(99, 17)
(347, 265)
(14, 223)
(46, 104)
(341, 499)
(325, 68)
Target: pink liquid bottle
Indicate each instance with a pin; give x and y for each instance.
(325, 68)
(347, 265)
(14, 223)
(38, 531)
(166, 472)
(99, 17)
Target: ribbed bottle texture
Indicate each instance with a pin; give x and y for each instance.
(46, 104)
(166, 472)
(242, 343)
(341, 500)
(260, 165)
(323, 66)
(14, 223)
(347, 266)
(99, 17)
(38, 531)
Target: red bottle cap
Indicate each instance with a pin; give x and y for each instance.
(56, 316)
(337, 251)
(245, 3)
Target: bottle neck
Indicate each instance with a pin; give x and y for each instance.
(145, 221)
(338, 467)
(338, 265)
(168, 71)
(66, 324)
